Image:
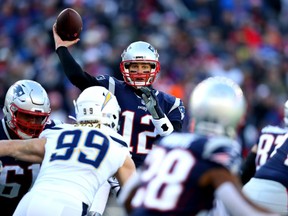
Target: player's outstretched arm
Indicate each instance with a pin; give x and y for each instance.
(126, 171)
(72, 69)
(30, 150)
(228, 190)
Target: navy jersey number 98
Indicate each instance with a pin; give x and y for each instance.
(70, 140)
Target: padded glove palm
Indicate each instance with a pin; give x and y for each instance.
(151, 103)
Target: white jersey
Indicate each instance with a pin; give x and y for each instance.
(78, 160)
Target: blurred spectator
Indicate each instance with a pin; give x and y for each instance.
(244, 40)
(57, 106)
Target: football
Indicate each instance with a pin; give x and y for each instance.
(69, 24)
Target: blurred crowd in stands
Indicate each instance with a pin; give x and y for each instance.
(246, 40)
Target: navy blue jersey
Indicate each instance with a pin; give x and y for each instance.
(16, 177)
(271, 138)
(172, 172)
(135, 120)
(276, 168)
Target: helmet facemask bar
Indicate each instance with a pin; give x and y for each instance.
(26, 127)
(140, 79)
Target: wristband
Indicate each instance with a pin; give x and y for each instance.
(163, 126)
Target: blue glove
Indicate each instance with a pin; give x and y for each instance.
(151, 103)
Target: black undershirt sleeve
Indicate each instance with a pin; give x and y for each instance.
(177, 126)
(248, 168)
(73, 71)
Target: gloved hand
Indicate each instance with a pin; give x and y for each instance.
(92, 213)
(151, 103)
(115, 186)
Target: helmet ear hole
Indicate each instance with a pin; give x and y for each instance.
(126, 66)
(153, 66)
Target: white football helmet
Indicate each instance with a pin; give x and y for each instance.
(26, 108)
(140, 52)
(217, 105)
(97, 104)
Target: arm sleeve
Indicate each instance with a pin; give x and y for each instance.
(73, 71)
(176, 115)
(248, 168)
(177, 125)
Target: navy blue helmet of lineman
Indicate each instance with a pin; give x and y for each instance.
(97, 105)
(217, 106)
(26, 108)
(140, 52)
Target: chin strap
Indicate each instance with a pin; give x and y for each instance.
(163, 126)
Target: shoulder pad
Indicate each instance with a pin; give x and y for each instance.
(274, 129)
(223, 151)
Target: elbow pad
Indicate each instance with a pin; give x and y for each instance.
(163, 126)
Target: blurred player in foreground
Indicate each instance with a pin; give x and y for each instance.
(270, 139)
(77, 159)
(26, 111)
(185, 172)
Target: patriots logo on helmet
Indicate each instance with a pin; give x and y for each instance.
(182, 111)
(18, 91)
(151, 48)
(100, 77)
